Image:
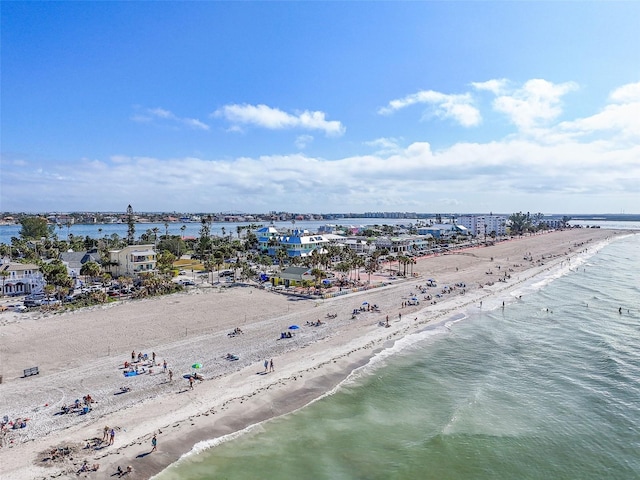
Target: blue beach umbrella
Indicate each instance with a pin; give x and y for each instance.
(294, 327)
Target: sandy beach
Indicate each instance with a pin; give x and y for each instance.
(84, 352)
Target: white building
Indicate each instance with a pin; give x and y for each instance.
(480, 225)
(20, 278)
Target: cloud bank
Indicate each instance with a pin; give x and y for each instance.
(581, 163)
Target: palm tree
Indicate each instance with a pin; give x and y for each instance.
(90, 270)
(155, 231)
(343, 267)
(218, 260)
(282, 255)
(371, 266)
(358, 262)
(319, 275)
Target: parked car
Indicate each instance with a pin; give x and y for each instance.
(187, 283)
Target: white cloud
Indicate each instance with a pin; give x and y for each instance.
(302, 141)
(385, 146)
(496, 86)
(456, 107)
(586, 164)
(151, 115)
(275, 119)
(629, 93)
(537, 102)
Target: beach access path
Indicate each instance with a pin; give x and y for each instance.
(83, 352)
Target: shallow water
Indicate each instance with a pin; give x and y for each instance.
(548, 387)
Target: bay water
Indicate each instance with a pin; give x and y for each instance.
(547, 387)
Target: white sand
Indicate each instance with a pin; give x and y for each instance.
(84, 351)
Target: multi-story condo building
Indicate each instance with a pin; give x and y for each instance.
(480, 225)
(132, 260)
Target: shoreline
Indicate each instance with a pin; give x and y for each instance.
(231, 400)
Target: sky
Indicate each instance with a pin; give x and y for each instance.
(323, 107)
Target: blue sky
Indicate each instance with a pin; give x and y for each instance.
(321, 106)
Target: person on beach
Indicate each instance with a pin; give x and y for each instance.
(112, 436)
(266, 366)
(164, 366)
(154, 443)
(271, 369)
(170, 375)
(191, 383)
(105, 434)
(153, 357)
(133, 356)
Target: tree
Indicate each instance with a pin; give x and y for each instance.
(319, 275)
(371, 266)
(250, 241)
(182, 229)
(55, 273)
(131, 226)
(282, 255)
(90, 269)
(34, 228)
(155, 231)
(519, 223)
(165, 261)
(204, 243)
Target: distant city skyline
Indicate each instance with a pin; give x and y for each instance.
(459, 107)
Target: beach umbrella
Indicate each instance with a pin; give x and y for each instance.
(365, 303)
(294, 327)
(196, 365)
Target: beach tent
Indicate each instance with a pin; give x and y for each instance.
(294, 327)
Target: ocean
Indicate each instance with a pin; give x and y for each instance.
(547, 387)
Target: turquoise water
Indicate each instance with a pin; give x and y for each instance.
(546, 388)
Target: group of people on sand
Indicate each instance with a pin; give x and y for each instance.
(286, 334)
(317, 323)
(86, 468)
(137, 367)
(120, 472)
(78, 406)
(236, 331)
(108, 435)
(268, 366)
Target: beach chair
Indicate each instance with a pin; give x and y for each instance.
(31, 371)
